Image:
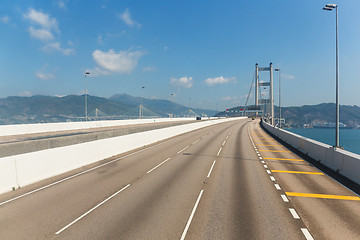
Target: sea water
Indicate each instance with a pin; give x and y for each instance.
(349, 138)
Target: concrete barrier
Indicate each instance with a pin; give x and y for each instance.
(24, 169)
(344, 162)
(7, 130)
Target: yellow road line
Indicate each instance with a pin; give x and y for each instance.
(268, 145)
(313, 195)
(298, 172)
(265, 141)
(273, 151)
(286, 159)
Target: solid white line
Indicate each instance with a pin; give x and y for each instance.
(75, 175)
(191, 216)
(265, 166)
(219, 151)
(272, 178)
(307, 234)
(268, 171)
(224, 142)
(211, 169)
(196, 141)
(182, 149)
(294, 213)
(92, 209)
(158, 165)
(277, 186)
(284, 198)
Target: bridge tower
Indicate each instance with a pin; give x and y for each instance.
(258, 84)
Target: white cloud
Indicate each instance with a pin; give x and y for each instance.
(41, 34)
(44, 20)
(149, 69)
(70, 43)
(113, 62)
(228, 98)
(5, 19)
(55, 46)
(44, 76)
(25, 94)
(100, 39)
(218, 80)
(95, 72)
(184, 82)
(126, 17)
(286, 76)
(61, 5)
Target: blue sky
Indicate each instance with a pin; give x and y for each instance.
(199, 51)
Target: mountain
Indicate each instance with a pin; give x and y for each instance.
(310, 114)
(55, 109)
(321, 113)
(35, 109)
(160, 106)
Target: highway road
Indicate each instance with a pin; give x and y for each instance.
(226, 181)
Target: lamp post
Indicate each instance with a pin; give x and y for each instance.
(86, 73)
(141, 104)
(330, 7)
(172, 114)
(189, 106)
(278, 70)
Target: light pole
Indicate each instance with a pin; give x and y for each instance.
(141, 104)
(172, 114)
(329, 7)
(203, 109)
(189, 106)
(278, 70)
(86, 73)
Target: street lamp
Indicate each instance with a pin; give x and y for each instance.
(278, 70)
(172, 114)
(86, 73)
(141, 104)
(329, 7)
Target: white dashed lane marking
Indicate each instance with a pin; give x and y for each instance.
(182, 149)
(212, 166)
(284, 198)
(307, 234)
(158, 166)
(294, 213)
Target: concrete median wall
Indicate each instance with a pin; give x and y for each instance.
(24, 169)
(344, 162)
(7, 130)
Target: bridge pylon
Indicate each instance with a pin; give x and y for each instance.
(270, 99)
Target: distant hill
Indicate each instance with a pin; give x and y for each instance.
(321, 113)
(36, 109)
(311, 114)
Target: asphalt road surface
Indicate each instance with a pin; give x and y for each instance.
(227, 181)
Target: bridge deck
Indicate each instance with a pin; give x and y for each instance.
(226, 181)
